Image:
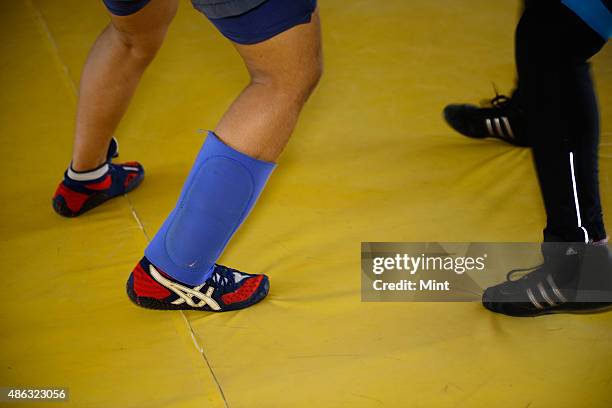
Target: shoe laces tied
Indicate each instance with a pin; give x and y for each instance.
(224, 277)
(518, 274)
(498, 101)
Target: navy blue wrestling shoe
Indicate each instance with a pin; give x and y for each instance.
(574, 278)
(500, 117)
(226, 289)
(73, 197)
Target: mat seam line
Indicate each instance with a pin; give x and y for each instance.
(59, 62)
(73, 92)
(197, 345)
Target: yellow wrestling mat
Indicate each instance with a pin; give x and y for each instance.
(371, 160)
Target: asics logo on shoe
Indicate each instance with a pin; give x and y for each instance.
(192, 296)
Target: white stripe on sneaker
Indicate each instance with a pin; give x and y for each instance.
(185, 293)
(533, 299)
(508, 127)
(555, 289)
(499, 129)
(545, 295)
(489, 127)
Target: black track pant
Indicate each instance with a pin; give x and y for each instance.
(553, 47)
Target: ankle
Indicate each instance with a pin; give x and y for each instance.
(83, 166)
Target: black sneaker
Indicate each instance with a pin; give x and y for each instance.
(500, 117)
(575, 278)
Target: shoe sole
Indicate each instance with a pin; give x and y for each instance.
(595, 310)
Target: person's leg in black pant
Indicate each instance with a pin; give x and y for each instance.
(553, 46)
(552, 49)
(584, 142)
(501, 117)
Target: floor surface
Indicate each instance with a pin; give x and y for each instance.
(371, 160)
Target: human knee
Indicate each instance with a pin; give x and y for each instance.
(296, 84)
(142, 46)
(311, 76)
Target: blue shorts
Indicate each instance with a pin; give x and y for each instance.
(595, 13)
(253, 25)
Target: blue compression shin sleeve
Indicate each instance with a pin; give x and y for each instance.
(218, 195)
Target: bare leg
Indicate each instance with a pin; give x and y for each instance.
(223, 185)
(284, 70)
(112, 72)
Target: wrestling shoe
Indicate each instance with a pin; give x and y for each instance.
(73, 197)
(500, 117)
(226, 289)
(574, 278)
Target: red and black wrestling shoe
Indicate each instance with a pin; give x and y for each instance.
(226, 289)
(80, 192)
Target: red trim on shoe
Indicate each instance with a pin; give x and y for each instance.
(101, 185)
(146, 286)
(244, 292)
(128, 179)
(73, 200)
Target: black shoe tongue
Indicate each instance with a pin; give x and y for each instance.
(113, 150)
